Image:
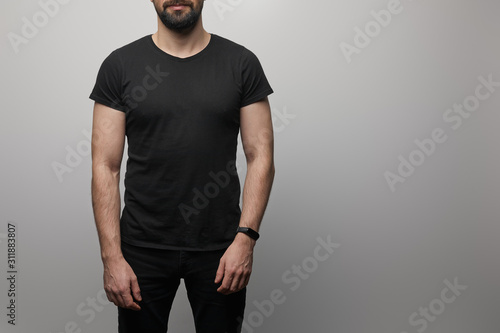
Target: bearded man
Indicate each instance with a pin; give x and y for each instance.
(180, 97)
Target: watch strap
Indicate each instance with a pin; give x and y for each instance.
(250, 232)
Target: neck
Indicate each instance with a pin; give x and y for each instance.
(181, 44)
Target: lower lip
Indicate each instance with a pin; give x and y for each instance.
(177, 7)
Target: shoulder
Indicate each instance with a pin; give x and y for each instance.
(235, 52)
(117, 60)
(127, 51)
(135, 47)
(230, 46)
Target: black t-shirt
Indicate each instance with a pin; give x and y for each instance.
(182, 122)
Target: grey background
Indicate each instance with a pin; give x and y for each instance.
(340, 127)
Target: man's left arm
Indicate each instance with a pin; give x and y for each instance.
(257, 138)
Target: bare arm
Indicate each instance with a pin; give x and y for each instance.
(258, 144)
(107, 150)
(108, 140)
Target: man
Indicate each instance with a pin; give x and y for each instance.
(180, 96)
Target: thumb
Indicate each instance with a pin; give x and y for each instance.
(220, 271)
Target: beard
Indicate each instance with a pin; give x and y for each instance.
(179, 21)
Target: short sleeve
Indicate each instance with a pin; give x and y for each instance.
(108, 87)
(254, 82)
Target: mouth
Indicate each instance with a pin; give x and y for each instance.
(177, 6)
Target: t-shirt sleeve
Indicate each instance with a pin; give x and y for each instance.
(108, 86)
(253, 80)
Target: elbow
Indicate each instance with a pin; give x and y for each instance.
(106, 168)
(263, 163)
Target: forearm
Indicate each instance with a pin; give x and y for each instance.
(106, 206)
(256, 191)
(235, 265)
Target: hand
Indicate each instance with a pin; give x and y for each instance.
(235, 266)
(120, 284)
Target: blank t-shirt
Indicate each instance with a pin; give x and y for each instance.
(182, 121)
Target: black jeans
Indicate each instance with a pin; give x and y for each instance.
(159, 272)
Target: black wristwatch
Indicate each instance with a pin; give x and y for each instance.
(250, 232)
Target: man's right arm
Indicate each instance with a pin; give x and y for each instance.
(108, 140)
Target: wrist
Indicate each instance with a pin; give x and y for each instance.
(110, 256)
(244, 239)
(248, 231)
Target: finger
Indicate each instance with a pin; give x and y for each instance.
(220, 271)
(243, 282)
(237, 280)
(136, 291)
(128, 302)
(247, 280)
(226, 283)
